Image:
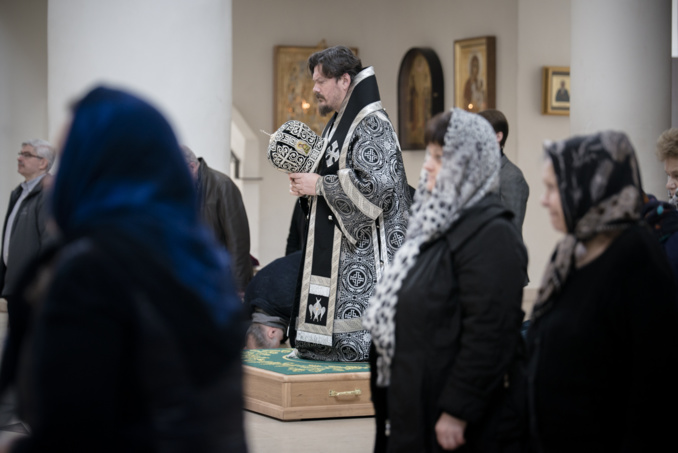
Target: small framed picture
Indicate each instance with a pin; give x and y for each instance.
(474, 73)
(556, 90)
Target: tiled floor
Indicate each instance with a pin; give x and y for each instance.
(265, 434)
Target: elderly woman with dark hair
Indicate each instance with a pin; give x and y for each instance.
(663, 216)
(446, 316)
(135, 340)
(603, 342)
(667, 152)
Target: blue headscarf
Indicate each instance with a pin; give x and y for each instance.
(122, 172)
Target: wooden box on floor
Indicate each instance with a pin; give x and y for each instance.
(294, 389)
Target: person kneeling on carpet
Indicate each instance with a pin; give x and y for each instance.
(270, 296)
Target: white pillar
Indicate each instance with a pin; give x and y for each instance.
(23, 85)
(174, 53)
(621, 75)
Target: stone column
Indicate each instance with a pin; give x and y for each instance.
(23, 85)
(621, 75)
(174, 53)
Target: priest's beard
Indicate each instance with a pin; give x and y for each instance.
(673, 199)
(325, 110)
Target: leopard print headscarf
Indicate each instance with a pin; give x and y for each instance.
(470, 169)
(600, 190)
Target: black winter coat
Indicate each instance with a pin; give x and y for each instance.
(121, 357)
(457, 331)
(29, 235)
(602, 360)
(223, 210)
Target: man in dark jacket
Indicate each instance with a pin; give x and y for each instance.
(223, 210)
(270, 297)
(513, 188)
(24, 233)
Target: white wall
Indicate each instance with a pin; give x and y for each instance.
(631, 86)
(244, 145)
(674, 28)
(383, 31)
(157, 47)
(175, 53)
(23, 84)
(529, 33)
(543, 40)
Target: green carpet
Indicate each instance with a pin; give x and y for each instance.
(275, 360)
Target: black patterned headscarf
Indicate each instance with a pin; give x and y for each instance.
(600, 191)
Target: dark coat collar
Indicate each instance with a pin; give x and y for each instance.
(473, 219)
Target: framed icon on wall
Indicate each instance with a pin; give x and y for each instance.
(474, 73)
(556, 90)
(421, 94)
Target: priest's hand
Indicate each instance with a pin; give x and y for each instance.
(303, 183)
(450, 432)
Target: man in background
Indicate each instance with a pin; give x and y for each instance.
(513, 188)
(24, 237)
(223, 210)
(270, 296)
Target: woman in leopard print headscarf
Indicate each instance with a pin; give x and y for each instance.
(446, 315)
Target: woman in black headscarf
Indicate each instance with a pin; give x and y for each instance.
(446, 315)
(136, 335)
(603, 341)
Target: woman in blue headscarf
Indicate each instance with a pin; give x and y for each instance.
(136, 335)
